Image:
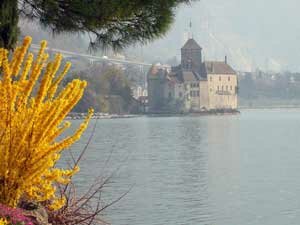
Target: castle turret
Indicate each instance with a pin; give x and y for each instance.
(191, 56)
(156, 80)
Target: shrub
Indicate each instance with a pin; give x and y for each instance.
(12, 216)
(32, 114)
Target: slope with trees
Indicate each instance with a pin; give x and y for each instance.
(108, 90)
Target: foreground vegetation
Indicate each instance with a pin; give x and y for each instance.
(33, 109)
(117, 23)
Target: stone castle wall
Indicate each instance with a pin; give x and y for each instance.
(222, 91)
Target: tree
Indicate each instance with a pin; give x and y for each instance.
(108, 90)
(116, 23)
(247, 87)
(9, 30)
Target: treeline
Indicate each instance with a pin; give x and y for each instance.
(108, 90)
(265, 88)
(285, 85)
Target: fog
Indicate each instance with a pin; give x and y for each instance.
(253, 34)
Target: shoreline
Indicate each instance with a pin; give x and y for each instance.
(270, 107)
(80, 116)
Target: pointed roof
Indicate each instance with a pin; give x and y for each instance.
(190, 76)
(191, 44)
(215, 67)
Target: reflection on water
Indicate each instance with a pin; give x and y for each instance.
(231, 170)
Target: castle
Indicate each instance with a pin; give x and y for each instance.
(192, 86)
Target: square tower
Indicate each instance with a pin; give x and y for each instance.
(191, 56)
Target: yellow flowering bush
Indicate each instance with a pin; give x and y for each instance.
(32, 113)
(3, 221)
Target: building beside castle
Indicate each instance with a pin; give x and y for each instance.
(193, 86)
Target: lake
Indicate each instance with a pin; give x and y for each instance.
(210, 170)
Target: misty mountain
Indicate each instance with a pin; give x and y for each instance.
(252, 33)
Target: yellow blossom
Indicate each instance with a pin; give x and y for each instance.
(30, 123)
(3, 221)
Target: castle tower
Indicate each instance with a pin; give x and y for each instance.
(156, 85)
(191, 56)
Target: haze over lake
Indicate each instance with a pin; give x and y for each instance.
(214, 170)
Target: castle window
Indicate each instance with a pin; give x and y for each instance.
(219, 78)
(198, 93)
(230, 88)
(228, 78)
(211, 79)
(189, 65)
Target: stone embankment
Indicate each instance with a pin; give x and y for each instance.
(202, 113)
(80, 116)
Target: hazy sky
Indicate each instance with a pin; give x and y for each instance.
(256, 33)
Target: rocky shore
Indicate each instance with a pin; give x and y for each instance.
(80, 116)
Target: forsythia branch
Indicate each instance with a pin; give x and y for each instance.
(31, 121)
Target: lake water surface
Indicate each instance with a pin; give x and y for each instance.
(210, 170)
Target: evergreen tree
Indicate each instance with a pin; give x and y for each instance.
(9, 30)
(115, 23)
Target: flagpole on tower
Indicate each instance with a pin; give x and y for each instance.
(191, 31)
